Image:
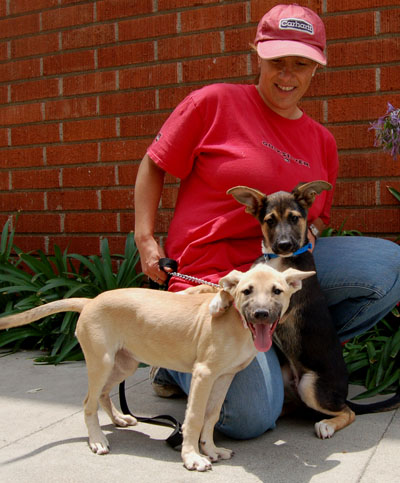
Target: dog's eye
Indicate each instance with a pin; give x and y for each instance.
(270, 221)
(277, 291)
(294, 219)
(247, 291)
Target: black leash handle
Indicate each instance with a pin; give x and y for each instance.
(175, 439)
(164, 263)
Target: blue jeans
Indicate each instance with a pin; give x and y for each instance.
(360, 277)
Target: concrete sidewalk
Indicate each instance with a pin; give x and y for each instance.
(43, 438)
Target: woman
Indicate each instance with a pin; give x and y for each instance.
(227, 135)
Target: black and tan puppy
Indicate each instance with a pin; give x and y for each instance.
(306, 335)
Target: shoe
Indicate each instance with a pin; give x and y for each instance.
(161, 387)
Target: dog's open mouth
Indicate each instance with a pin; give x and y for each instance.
(262, 335)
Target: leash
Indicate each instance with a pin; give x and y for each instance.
(175, 439)
(269, 256)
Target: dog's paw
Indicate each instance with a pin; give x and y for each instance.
(124, 420)
(195, 462)
(324, 430)
(100, 445)
(216, 454)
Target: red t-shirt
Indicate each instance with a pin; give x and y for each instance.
(222, 136)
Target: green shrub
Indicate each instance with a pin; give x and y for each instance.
(28, 280)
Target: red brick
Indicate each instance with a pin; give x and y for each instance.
(355, 193)
(371, 164)
(146, 27)
(90, 222)
(352, 136)
(120, 199)
(163, 221)
(35, 134)
(38, 89)
(4, 181)
(71, 108)
(126, 54)
(85, 130)
(142, 125)
(88, 176)
(260, 7)
(23, 25)
(157, 75)
(3, 94)
(71, 62)
(22, 6)
(82, 245)
(189, 46)
(343, 5)
(127, 222)
(72, 154)
(87, 83)
(4, 137)
(171, 97)
(124, 150)
(350, 26)
(113, 9)
(127, 102)
(375, 51)
(169, 197)
(67, 17)
(33, 201)
(72, 200)
(4, 50)
(214, 68)
(384, 220)
(390, 78)
(22, 69)
(30, 243)
(38, 178)
(171, 4)
(390, 21)
(39, 223)
(20, 114)
(88, 36)
(213, 17)
(39, 44)
(239, 39)
(386, 197)
(127, 174)
(359, 108)
(343, 82)
(19, 158)
(314, 109)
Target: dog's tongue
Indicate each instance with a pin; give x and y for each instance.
(262, 337)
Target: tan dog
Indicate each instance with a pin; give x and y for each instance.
(120, 328)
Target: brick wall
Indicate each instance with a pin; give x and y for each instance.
(85, 85)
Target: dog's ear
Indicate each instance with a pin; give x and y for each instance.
(230, 281)
(294, 277)
(305, 193)
(250, 197)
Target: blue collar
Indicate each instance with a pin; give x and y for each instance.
(301, 250)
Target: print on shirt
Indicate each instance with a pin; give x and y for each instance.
(286, 156)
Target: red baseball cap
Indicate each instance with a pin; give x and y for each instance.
(291, 30)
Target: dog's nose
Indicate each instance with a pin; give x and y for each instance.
(284, 246)
(261, 314)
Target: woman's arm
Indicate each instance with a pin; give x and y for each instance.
(148, 189)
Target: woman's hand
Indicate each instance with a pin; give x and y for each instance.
(150, 253)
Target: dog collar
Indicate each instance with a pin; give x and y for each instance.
(269, 256)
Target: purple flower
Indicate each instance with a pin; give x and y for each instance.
(387, 131)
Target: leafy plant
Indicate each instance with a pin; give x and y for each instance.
(373, 358)
(31, 279)
(340, 231)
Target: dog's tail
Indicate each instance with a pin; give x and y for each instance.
(387, 405)
(24, 318)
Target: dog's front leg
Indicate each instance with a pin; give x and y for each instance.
(213, 411)
(200, 389)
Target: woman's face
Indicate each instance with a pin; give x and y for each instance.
(283, 82)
